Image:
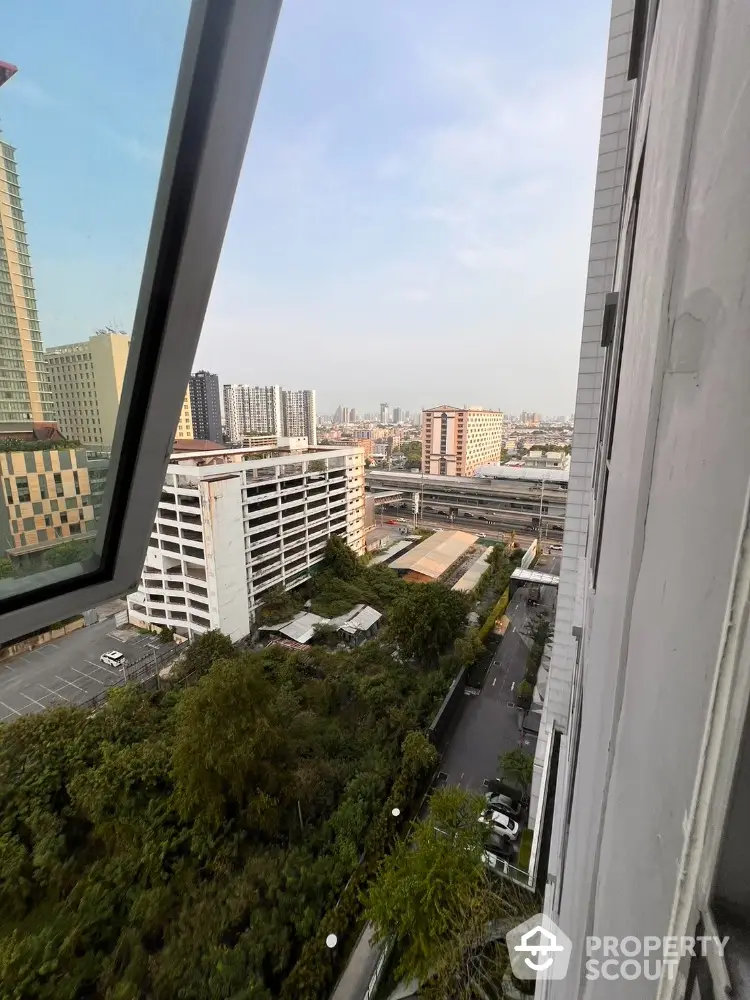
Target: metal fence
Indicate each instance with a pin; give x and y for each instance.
(142, 671)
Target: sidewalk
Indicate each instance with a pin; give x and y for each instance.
(359, 969)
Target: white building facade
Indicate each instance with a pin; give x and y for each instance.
(642, 774)
(298, 414)
(252, 408)
(231, 525)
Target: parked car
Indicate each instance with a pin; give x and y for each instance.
(555, 548)
(500, 823)
(501, 846)
(503, 803)
(113, 659)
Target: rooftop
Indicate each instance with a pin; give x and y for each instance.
(432, 557)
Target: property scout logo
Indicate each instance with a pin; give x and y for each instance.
(538, 949)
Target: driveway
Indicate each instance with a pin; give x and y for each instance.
(67, 671)
(490, 722)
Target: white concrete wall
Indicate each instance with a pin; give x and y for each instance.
(224, 544)
(674, 540)
(573, 586)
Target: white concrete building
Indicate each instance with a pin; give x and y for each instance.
(298, 414)
(230, 526)
(546, 460)
(249, 408)
(641, 795)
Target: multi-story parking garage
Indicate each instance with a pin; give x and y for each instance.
(516, 501)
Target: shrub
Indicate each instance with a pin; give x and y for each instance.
(524, 694)
(524, 850)
(166, 634)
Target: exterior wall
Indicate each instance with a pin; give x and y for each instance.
(224, 542)
(86, 381)
(457, 442)
(660, 691)
(252, 523)
(46, 496)
(24, 384)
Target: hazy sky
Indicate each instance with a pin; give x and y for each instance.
(413, 217)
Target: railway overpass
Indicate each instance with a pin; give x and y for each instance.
(513, 503)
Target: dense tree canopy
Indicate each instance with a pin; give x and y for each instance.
(189, 843)
(426, 619)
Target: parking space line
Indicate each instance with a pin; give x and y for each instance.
(100, 666)
(78, 686)
(29, 698)
(55, 693)
(9, 709)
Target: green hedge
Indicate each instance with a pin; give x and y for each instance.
(524, 850)
(496, 612)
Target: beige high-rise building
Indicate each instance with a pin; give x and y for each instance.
(455, 442)
(184, 431)
(86, 381)
(24, 386)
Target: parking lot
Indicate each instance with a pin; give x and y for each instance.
(68, 671)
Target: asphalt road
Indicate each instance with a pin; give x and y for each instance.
(67, 671)
(490, 722)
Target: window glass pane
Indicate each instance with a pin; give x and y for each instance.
(81, 146)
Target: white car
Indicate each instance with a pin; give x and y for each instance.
(500, 822)
(113, 659)
(555, 548)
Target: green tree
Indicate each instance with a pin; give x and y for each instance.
(230, 748)
(204, 651)
(67, 552)
(427, 619)
(340, 559)
(517, 765)
(468, 648)
(166, 635)
(435, 898)
(6, 568)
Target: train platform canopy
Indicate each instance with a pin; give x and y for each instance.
(432, 557)
(533, 576)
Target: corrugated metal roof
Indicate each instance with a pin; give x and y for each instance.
(433, 556)
(534, 576)
(473, 574)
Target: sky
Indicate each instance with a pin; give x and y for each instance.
(413, 216)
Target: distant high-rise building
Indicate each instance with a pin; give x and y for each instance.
(298, 416)
(384, 414)
(338, 416)
(25, 392)
(352, 416)
(86, 381)
(205, 402)
(397, 414)
(252, 409)
(455, 441)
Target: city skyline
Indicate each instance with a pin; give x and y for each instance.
(385, 229)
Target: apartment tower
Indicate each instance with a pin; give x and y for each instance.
(298, 414)
(205, 404)
(25, 393)
(86, 380)
(252, 409)
(455, 442)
